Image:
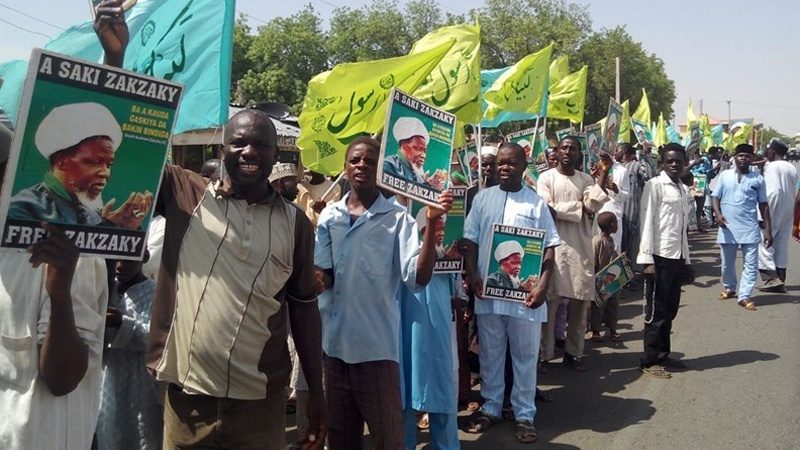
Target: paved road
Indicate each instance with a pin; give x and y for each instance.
(742, 390)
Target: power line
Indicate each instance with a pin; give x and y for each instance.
(31, 17)
(249, 16)
(24, 29)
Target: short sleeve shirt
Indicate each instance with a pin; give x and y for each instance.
(739, 196)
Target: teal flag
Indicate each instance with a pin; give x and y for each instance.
(716, 135)
(185, 41)
(672, 134)
(488, 77)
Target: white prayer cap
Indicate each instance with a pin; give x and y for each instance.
(282, 170)
(408, 127)
(422, 218)
(613, 270)
(524, 143)
(67, 125)
(471, 156)
(506, 249)
(489, 150)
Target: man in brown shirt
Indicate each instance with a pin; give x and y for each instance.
(236, 257)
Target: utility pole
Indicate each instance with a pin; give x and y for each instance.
(729, 115)
(617, 84)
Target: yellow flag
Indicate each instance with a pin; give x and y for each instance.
(351, 99)
(642, 113)
(521, 88)
(568, 97)
(661, 131)
(690, 117)
(625, 125)
(455, 84)
(705, 128)
(559, 69)
(742, 135)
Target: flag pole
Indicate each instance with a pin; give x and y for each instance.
(478, 145)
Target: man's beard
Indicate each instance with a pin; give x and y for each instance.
(439, 250)
(95, 204)
(418, 171)
(514, 279)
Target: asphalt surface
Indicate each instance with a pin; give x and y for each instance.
(741, 390)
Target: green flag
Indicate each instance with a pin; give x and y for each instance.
(567, 98)
(642, 113)
(559, 69)
(625, 125)
(522, 87)
(351, 99)
(455, 84)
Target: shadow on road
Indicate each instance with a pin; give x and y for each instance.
(730, 359)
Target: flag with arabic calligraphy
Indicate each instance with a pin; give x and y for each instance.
(351, 99)
(559, 69)
(522, 87)
(567, 99)
(455, 84)
(625, 124)
(488, 77)
(185, 41)
(642, 113)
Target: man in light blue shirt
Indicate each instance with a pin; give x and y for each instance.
(366, 246)
(501, 321)
(739, 191)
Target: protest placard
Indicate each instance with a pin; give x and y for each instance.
(514, 262)
(564, 132)
(611, 129)
(416, 149)
(642, 132)
(534, 142)
(76, 120)
(449, 230)
(468, 159)
(612, 278)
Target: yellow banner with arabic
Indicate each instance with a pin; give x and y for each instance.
(642, 113)
(351, 99)
(455, 84)
(625, 123)
(559, 69)
(521, 88)
(568, 97)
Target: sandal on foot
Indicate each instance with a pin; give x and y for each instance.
(508, 413)
(481, 423)
(748, 304)
(575, 363)
(526, 432)
(656, 371)
(596, 337)
(616, 337)
(726, 294)
(423, 423)
(473, 406)
(542, 396)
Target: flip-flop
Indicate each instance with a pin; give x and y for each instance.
(726, 294)
(748, 304)
(481, 423)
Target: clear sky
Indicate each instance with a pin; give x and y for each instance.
(715, 50)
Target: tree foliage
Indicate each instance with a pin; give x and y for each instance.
(513, 29)
(284, 55)
(769, 133)
(638, 70)
(277, 63)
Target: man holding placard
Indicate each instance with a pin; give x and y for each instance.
(502, 322)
